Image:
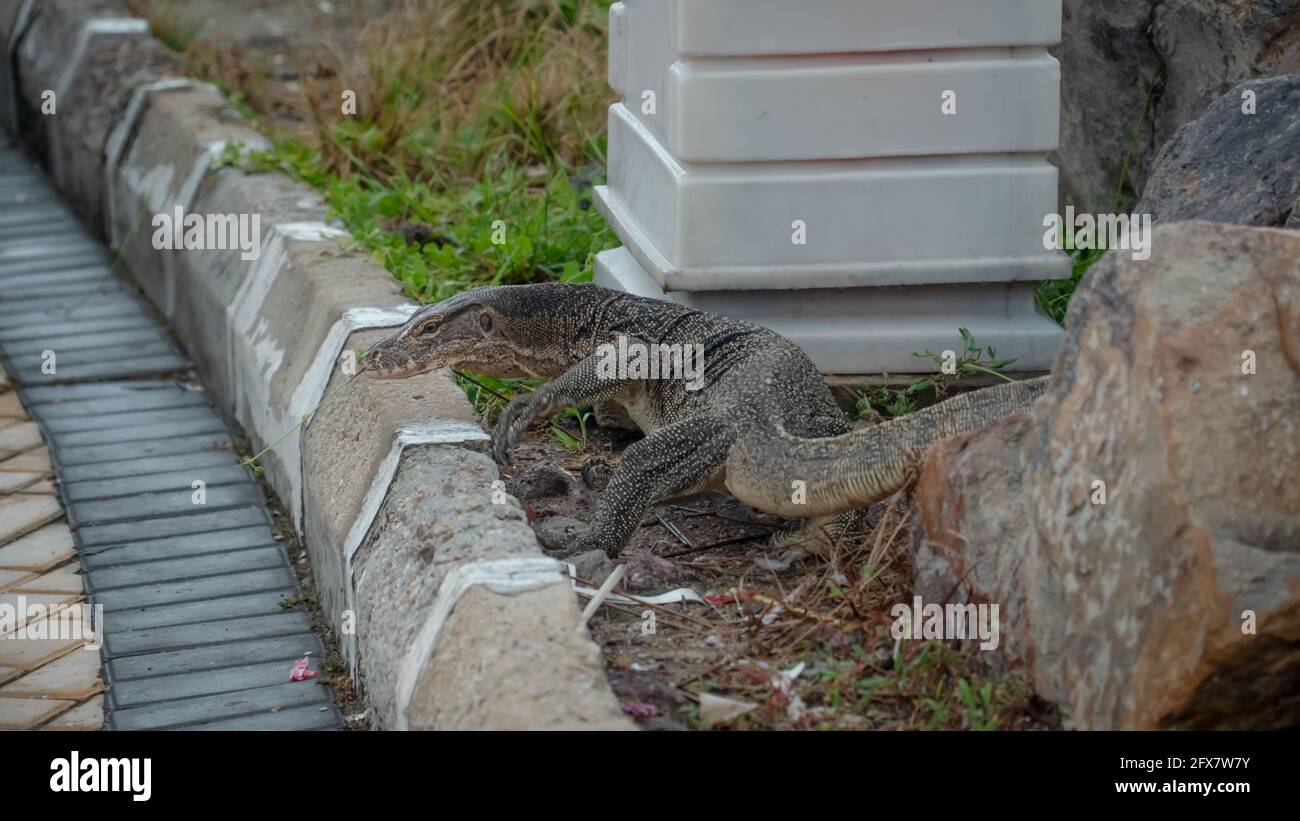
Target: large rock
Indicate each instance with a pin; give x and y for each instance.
(1230, 165)
(1134, 71)
(1176, 603)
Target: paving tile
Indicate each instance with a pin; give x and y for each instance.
(195, 544)
(191, 567)
(20, 437)
(293, 622)
(89, 454)
(202, 611)
(19, 514)
(26, 605)
(202, 423)
(262, 701)
(12, 481)
(177, 480)
(26, 713)
(160, 363)
(210, 587)
(164, 397)
(27, 654)
(122, 532)
(132, 418)
(310, 717)
(33, 461)
(74, 342)
(196, 634)
(85, 717)
(10, 578)
(75, 677)
(62, 580)
(148, 466)
(39, 550)
(216, 656)
(201, 683)
(153, 505)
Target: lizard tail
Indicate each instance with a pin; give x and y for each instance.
(847, 472)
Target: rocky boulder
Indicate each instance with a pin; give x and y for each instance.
(1134, 71)
(1237, 163)
(1140, 525)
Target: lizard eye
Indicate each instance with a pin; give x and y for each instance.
(485, 323)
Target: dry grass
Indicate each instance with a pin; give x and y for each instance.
(462, 89)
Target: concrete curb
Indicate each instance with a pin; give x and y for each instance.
(448, 611)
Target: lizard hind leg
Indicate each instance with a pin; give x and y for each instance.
(676, 460)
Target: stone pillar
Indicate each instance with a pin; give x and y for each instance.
(862, 176)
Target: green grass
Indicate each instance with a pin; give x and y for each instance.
(477, 137)
(436, 240)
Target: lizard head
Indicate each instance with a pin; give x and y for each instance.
(488, 330)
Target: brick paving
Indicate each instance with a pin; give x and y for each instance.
(45, 683)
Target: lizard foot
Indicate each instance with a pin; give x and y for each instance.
(563, 538)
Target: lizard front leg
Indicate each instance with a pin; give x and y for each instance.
(583, 384)
(681, 458)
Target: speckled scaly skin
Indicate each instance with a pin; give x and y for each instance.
(763, 420)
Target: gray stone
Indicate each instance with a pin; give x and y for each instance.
(594, 566)
(543, 480)
(1131, 614)
(1233, 167)
(648, 572)
(1134, 71)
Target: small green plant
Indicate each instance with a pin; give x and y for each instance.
(890, 401)
(579, 416)
(980, 704)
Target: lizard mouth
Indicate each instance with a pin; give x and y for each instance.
(376, 370)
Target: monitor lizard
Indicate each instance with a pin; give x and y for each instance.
(762, 424)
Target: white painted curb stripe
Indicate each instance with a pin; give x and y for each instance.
(311, 391)
(507, 577)
(104, 25)
(443, 432)
(122, 132)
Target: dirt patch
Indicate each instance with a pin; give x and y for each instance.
(794, 642)
(264, 53)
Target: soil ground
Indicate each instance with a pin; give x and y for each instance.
(803, 646)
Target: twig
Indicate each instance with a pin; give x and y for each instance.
(251, 461)
(672, 528)
(723, 543)
(601, 594)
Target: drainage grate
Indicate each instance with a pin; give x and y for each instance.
(194, 633)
